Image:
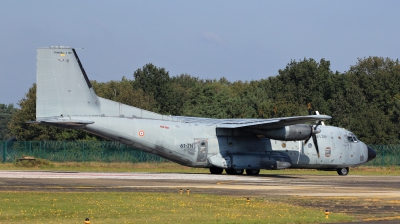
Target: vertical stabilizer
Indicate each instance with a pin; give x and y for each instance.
(63, 87)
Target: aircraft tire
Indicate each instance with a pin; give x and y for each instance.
(252, 172)
(216, 170)
(343, 171)
(234, 171)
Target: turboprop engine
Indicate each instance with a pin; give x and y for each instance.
(289, 133)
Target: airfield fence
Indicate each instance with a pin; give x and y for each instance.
(75, 151)
(109, 151)
(386, 155)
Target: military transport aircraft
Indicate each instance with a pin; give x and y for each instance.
(65, 98)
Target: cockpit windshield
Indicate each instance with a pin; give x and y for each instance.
(351, 138)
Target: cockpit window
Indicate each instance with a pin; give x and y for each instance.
(351, 138)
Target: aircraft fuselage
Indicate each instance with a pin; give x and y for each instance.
(202, 145)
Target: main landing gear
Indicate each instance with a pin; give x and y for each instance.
(343, 171)
(251, 172)
(216, 170)
(234, 171)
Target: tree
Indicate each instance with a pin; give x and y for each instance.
(372, 127)
(6, 111)
(124, 92)
(379, 80)
(155, 81)
(217, 100)
(372, 87)
(304, 82)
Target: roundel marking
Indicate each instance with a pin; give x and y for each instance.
(141, 133)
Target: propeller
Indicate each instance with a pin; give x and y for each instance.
(314, 131)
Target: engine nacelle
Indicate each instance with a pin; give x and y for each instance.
(288, 133)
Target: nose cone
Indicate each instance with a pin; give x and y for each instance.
(371, 154)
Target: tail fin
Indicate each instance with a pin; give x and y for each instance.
(63, 88)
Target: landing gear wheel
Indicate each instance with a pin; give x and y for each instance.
(216, 170)
(252, 172)
(343, 171)
(234, 171)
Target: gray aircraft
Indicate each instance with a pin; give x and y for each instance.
(65, 98)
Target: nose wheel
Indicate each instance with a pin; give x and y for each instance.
(343, 171)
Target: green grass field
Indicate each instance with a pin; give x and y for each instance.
(34, 207)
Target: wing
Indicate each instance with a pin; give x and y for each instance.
(271, 123)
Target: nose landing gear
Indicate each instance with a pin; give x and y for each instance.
(343, 171)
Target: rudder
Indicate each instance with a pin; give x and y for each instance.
(63, 88)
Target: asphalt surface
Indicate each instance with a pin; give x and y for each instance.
(358, 195)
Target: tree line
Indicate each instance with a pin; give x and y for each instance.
(365, 99)
(6, 111)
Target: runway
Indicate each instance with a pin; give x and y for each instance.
(299, 185)
(360, 195)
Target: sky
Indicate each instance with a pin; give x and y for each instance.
(238, 40)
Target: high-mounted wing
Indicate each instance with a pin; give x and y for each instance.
(271, 123)
(284, 128)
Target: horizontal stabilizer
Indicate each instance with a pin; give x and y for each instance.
(65, 123)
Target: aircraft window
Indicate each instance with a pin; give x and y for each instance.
(349, 138)
(352, 138)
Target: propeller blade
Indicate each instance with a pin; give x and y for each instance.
(305, 142)
(312, 131)
(314, 137)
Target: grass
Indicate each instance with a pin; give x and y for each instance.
(36, 163)
(34, 207)
(362, 208)
(170, 167)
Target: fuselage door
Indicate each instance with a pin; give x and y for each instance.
(202, 150)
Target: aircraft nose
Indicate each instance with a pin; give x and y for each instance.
(371, 154)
